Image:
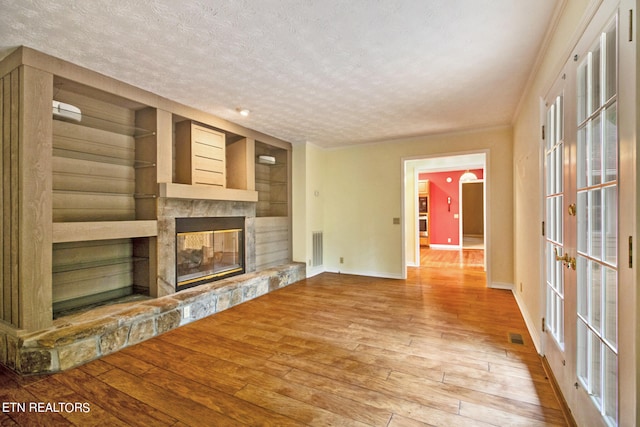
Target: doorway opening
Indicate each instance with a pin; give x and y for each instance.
(449, 226)
(472, 214)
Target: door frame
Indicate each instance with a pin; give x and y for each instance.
(441, 162)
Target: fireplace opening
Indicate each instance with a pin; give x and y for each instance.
(208, 249)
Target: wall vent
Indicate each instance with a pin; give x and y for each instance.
(515, 338)
(317, 249)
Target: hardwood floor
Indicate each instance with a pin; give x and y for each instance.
(432, 350)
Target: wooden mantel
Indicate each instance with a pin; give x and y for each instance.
(185, 191)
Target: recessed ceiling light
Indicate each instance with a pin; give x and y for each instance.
(243, 112)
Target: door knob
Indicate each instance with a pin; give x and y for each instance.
(568, 261)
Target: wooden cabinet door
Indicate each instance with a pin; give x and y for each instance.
(200, 155)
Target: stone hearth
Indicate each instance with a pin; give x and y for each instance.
(89, 334)
(76, 339)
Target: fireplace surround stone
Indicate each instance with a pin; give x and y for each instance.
(169, 209)
(87, 335)
(39, 332)
(76, 339)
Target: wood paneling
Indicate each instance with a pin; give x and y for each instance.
(330, 350)
(100, 110)
(31, 307)
(102, 230)
(184, 191)
(104, 187)
(2, 203)
(72, 140)
(272, 241)
(200, 155)
(272, 182)
(5, 189)
(146, 159)
(90, 272)
(164, 148)
(12, 234)
(240, 164)
(94, 177)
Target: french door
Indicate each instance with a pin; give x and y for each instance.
(597, 224)
(581, 238)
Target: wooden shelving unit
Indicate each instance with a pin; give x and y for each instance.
(81, 192)
(272, 181)
(99, 195)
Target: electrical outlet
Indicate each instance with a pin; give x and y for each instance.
(341, 260)
(449, 240)
(186, 311)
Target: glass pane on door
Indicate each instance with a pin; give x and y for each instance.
(597, 225)
(554, 217)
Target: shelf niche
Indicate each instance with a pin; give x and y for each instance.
(87, 274)
(99, 157)
(104, 179)
(207, 157)
(272, 180)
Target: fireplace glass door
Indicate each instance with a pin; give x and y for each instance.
(203, 256)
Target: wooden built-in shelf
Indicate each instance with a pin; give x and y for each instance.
(94, 264)
(272, 181)
(93, 157)
(185, 191)
(102, 230)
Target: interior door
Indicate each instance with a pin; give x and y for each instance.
(559, 276)
(580, 339)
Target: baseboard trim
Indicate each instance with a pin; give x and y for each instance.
(446, 247)
(314, 271)
(378, 274)
(500, 285)
(564, 407)
(532, 324)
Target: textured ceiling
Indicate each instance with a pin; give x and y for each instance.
(329, 72)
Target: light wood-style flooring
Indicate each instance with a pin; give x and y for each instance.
(432, 350)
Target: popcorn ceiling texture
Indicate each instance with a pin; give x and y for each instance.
(328, 72)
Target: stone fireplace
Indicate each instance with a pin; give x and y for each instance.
(84, 336)
(208, 249)
(197, 242)
(92, 235)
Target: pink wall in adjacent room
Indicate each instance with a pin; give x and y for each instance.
(444, 225)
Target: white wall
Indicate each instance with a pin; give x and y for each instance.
(308, 177)
(528, 215)
(299, 203)
(411, 242)
(363, 194)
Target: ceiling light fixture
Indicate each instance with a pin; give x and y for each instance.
(243, 112)
(468, 176)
